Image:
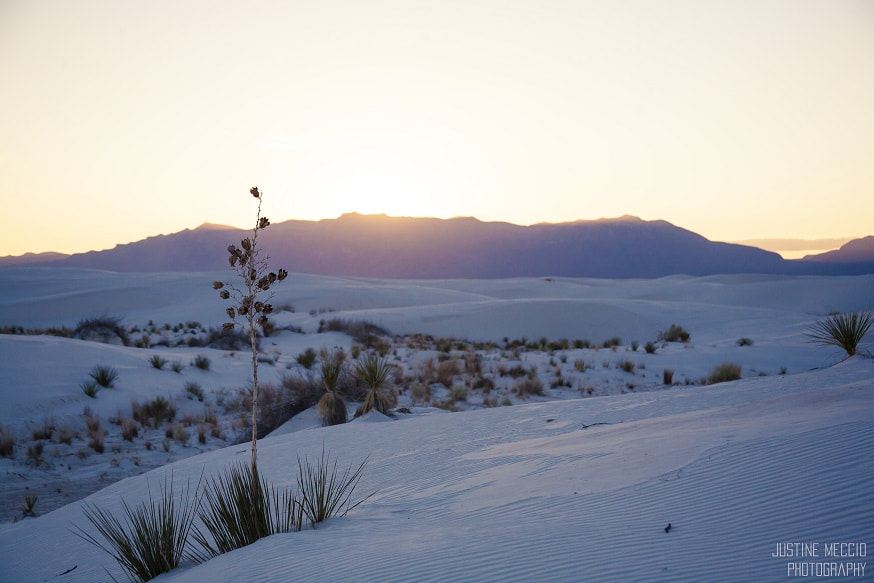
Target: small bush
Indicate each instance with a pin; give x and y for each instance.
(201, 362)
(152, 538)
(157, 362)
(27, 507)
(230, 339)
(529, 386)
(420, 393)
(96, 440)
(90, 388)
(106, 329)
(34, 452)
(458, 393)
(307, 358)
(446, 372)
(154, 412)
(668, 377)
(193, 391)
(627, 366)
(129, 429)
(744, 341)
(674, 334)
(842, 330)
(177, 367)
(649, 347)
(66, 434)
(725, 372)
(44, 431)
(105, 376)
(367, 333)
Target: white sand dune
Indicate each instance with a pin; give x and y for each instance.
(561, 488)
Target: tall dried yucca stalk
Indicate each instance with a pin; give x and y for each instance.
(249, 301)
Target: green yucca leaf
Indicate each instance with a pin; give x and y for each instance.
(842, 330)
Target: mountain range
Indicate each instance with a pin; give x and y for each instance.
(464, 247)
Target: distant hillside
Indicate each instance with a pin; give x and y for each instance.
(855, 251)
(383, 246)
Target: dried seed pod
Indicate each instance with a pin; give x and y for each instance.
(267, 309)
(259, 306)
(217, 285)
(255, 192)
(262, 320)
(242, 310)
(230, 312)
(232, 260)
(247, 301)
(272, 277)
(282, 274)
(228, 326)
(263, 222)
(247, 245)
(225, 294)
(252, 274)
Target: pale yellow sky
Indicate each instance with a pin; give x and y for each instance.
(735, 119)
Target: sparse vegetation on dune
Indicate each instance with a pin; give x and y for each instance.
(844, 330)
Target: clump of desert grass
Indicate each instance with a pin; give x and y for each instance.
(325, 493)
(725, 372)
(332, 407)
(239, 507)
(844, 330)
(373, 371)
(150, 538)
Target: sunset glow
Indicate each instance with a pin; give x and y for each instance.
(121, 120)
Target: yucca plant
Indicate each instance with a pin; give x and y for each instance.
(105, 376)
(332, 407)
(842, 330)
(251, 267)
(324, 494)
(152, 538)
(373, 372)
(239, 507)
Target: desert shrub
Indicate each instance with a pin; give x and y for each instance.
(227, 339)
(129, 429)
(744, 341)
(152, 538)
(612, 342)
(367, 333)
(844, 330)
(193, 391)
(725, 372)
(458, 393)
(517, 372)
(668, 376)
(332, 408)
(157, 361)
(372, 371)
(627, 366)
(486, 385)
(635, 345)
(201, 362)
(560, 344)
(674, 333)
(239, 507)
(301, 393)
(34, 452)
(581, 344)
(323, 492)
(307, 358)
(90, 388)
(66, 434)
(181, 434)
(649, 347)
(105, 376)
(106, 329)
(420, 393)
(529, 386)
(27, 508)
(95, 441)
(43, 431)
(154, 412)
(177, 367)
(446, 372)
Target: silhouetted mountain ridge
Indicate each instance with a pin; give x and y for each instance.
(462, 247)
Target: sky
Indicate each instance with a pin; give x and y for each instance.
(734, 119)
